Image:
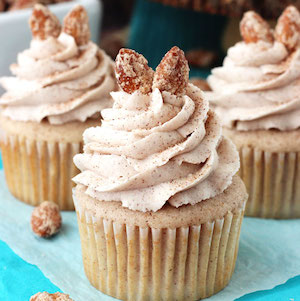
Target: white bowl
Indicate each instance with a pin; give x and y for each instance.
(15, 34)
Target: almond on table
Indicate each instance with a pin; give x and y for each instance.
(46, 219)
(172, 74)
(50, 297)
(254, 28)
(287, 30)
(133, 72)
(76, 24)
(44, 23)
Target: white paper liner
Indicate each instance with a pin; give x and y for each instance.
(36, 171)
(133, 263)
(272, 181)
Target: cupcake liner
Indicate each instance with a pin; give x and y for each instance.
(134, 263)
(272, 181)
(36, 171)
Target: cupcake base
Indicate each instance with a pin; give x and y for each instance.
(270, 169)
(187, 253)
(38, 159)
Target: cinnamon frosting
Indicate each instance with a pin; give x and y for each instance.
(59, 81)
(156, 148)
(258, 87)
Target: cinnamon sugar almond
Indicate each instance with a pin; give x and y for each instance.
(76, 24)
(172, 74)
(46, 219)
(133, 72)
(44, 296)
(254, 28)
(43, 23)
(287, 30)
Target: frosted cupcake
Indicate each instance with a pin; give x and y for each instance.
(61, 83)
(256, 92)
(159, 205)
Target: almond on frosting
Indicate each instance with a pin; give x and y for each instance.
(76, 24)
(172, 74)
(154, 148)
(287, 30)
(43, 23)
(254, 28)
(133, 72)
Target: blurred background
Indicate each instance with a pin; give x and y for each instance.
(204, 29)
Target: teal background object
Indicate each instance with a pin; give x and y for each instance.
(155, 28)
(20, 280)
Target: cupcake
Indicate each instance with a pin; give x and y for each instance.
(60, 84)
(158, 201)
(256, 92)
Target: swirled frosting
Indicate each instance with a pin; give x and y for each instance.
(156, 148)
(59, 81)
(258, 87)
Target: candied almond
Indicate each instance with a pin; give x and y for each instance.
(76, 24)
(287, 30)
(43, 23)
(46, 219)
(50, 297)
(172, 74)
(254, 28)
(133, 72)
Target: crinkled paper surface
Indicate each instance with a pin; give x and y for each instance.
(269, 252)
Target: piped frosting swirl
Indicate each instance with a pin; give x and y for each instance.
(157, 148)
